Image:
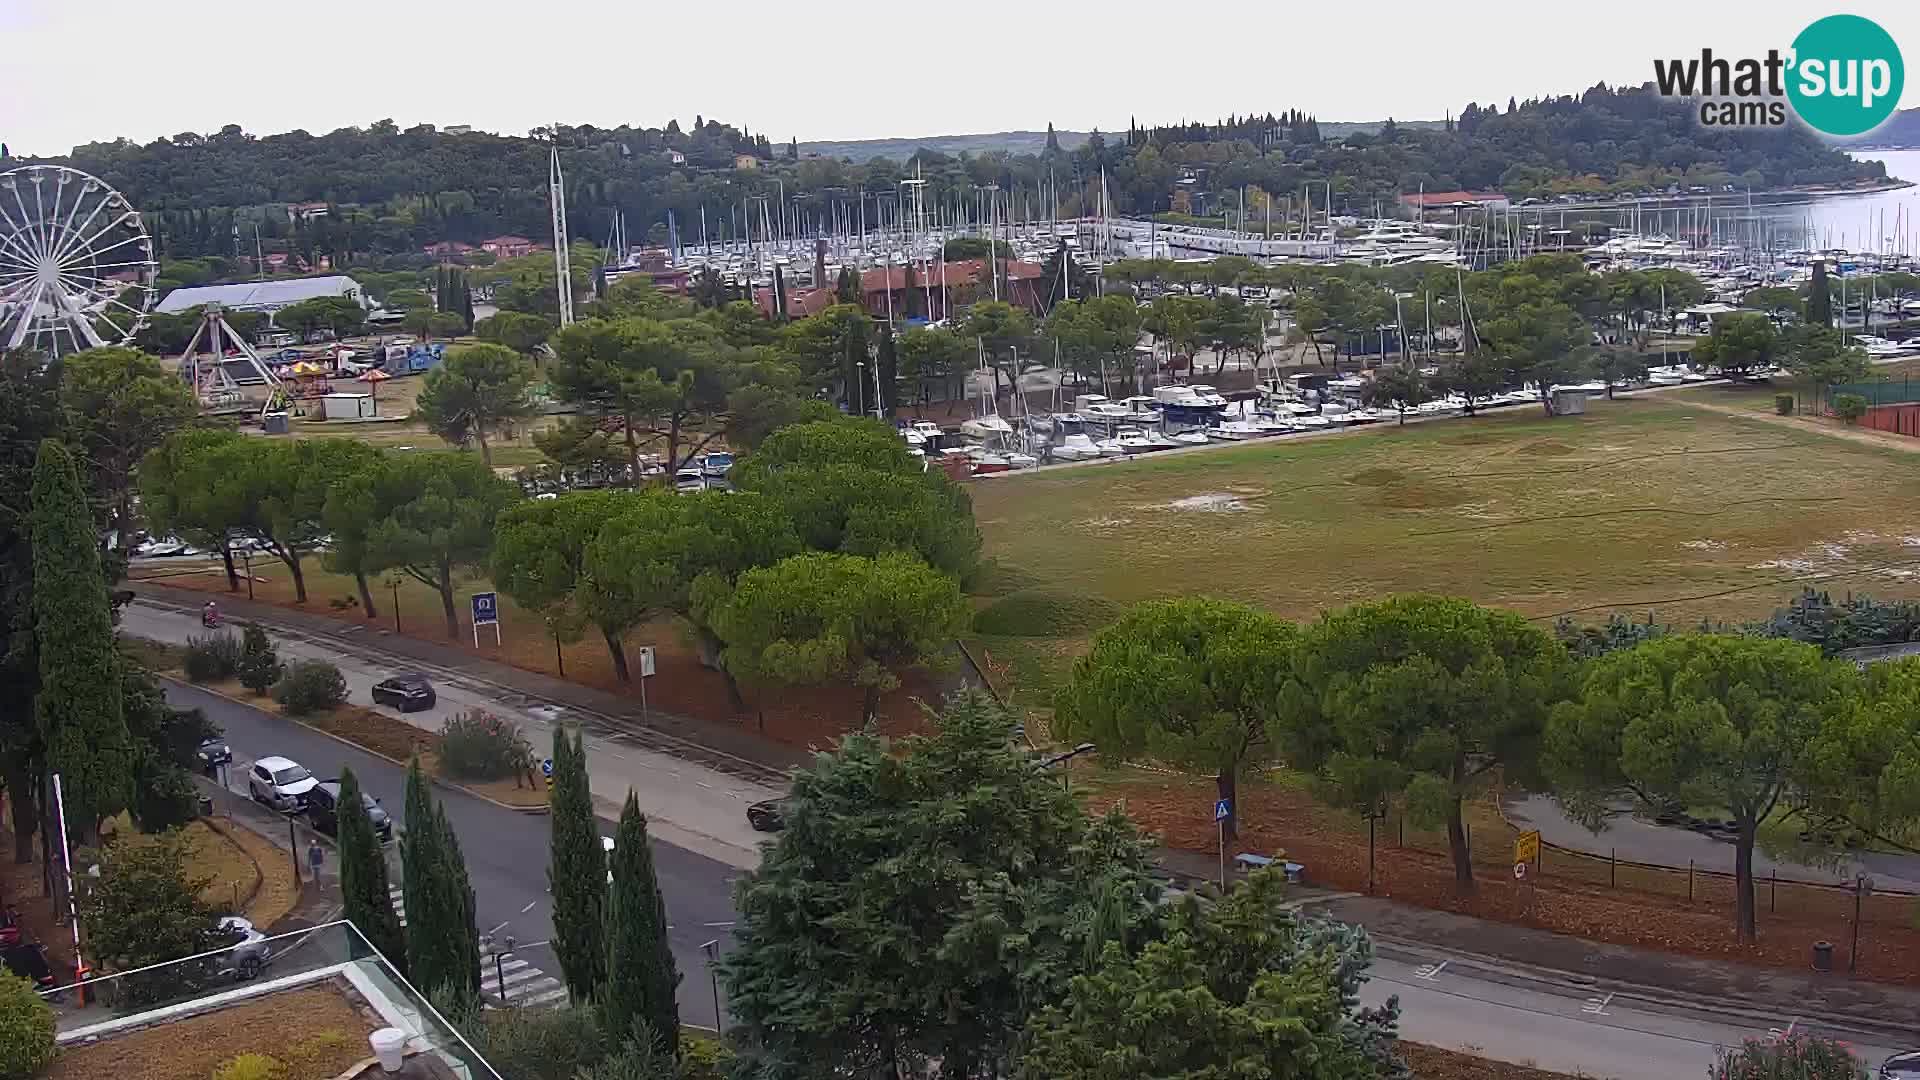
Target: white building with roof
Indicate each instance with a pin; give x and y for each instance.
(267, 296)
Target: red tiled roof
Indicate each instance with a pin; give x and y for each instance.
(506, 241)
(958, 272)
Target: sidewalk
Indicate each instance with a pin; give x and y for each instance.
(694, 798)
(319, 900)
(1540, 959)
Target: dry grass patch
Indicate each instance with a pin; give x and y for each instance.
(315, 1033)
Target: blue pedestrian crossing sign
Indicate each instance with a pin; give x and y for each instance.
(1221, 809)
(546, 766)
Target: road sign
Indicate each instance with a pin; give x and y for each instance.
(486, 612)
(646, 661)
(546, 766)
(1526, 846)
(1222, 809)
(1519, 871)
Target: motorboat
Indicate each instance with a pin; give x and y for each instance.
(1134, 441)
(1107, 412)
(1235, 431)
(1110, 447)
(1189, 438)
(1311, 423)
(1664, 376)
(1017, 460)
(1075, 448)
(1364, 416)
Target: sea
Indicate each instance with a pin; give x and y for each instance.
(1882, 221)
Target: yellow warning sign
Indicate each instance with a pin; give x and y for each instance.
(1526, 846)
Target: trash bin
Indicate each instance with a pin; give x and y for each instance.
(206, 806)
(1823, 956)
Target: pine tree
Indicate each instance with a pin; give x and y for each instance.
(1053, 141)
(1819, 297)
(466, 299)
(443, 951)
(78, 708)
(577, 875)
(640, 972)
(363, 875)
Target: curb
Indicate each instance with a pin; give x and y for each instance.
(343, 740)
(259, 872)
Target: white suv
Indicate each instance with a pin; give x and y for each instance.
(280, 783)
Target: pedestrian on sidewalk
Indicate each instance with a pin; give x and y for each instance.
(316, 856)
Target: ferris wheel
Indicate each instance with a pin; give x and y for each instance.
(75, 260)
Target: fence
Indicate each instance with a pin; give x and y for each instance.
(1698, 886)
(1879, 391)
(1898, 419)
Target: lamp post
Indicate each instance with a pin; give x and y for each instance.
(393, 583)
(712, 949)
(246, 556)
(1064, 758)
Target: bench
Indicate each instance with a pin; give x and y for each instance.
(1248, 862)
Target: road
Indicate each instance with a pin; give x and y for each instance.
(506, 852)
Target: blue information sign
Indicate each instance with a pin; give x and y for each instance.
(1221, 809)
(546, 766)
(486, 608)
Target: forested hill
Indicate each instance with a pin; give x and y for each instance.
(390, 191)
(1902, 130)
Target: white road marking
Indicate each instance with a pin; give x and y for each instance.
(499, 928)
(529, 906)
(1430, 972)
(1596, 1006)
(723, 924)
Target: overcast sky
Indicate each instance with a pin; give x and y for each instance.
(74, 71)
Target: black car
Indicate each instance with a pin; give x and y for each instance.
(408, 693)
(1901, 1067)
(214, 752)
(323, 809)
(768, 815)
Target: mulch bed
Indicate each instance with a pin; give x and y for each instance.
(315, 1032)
(1433, 1063)
(1178, 809)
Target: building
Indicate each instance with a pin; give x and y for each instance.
(1454, 200)
(267, 296)
(745, 161)
(306, 211)
(449, 249)
(650, 264)
(508, 247)
(675, 157)
(925, 294)
(457, 129)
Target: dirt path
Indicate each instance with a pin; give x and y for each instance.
(1870, 437)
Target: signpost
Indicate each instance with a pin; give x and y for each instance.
(546, 770)
(486, 612)
(646, 672)
(1526, 846)
(1221, 809)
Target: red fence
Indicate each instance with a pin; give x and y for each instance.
(1899, 419)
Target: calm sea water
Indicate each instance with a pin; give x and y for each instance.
(1883, 221)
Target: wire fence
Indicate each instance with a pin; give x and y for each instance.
(1696, 885)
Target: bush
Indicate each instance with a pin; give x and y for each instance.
(26, 1028)
(259, 666)
(477, 745)
(1783, 404)
(1045, 613)
(166, 798)
(538, 1044)
(250, 1067)
(703, 1057)
(1849, 407)
(212, 658)
(1799, 1057)
(310, 686)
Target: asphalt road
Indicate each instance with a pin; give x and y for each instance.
(506, 852)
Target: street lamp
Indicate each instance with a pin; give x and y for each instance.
(712, 949)
(393, 583)
(1066, 775)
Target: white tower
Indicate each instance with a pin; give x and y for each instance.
(562, 265)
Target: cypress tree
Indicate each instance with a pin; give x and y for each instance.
(443, 949)
(78, 708)
(466, 299)
(577, 874)
(1819, 296)
(640, 972)
(363, 875)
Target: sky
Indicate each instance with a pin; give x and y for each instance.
(74, 72)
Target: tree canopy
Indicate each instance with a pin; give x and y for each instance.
(474, 393)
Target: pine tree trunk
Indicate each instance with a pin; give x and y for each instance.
(366, 594)
(446, 604)
(233, 576)
(486, 452)
(26, 817)
(1743, 900)
(1457, 846)
(299, 576)
(618, 652)
(633, 450)
(869, 704)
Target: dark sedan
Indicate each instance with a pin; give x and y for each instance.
(323, 809)
(768, 815)
(408, 693)
(215, 752)
(1901, 1066)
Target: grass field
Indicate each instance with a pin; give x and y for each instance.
(1647, 505)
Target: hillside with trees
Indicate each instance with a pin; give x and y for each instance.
(355, 193)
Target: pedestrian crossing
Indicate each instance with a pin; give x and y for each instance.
(508, 980)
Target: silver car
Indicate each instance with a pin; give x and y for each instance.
(280, 783)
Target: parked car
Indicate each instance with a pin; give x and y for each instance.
(323, 809)
(215, 752)
(281, 783)
(250, 952)
(716, 465)
(689, 480)
(1901, 1067)
(768, 815)
(409, 692)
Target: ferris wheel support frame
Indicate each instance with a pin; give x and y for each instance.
(213, 329)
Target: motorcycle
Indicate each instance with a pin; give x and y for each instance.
(210, 619)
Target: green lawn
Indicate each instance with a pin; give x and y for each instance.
(1640, 505)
